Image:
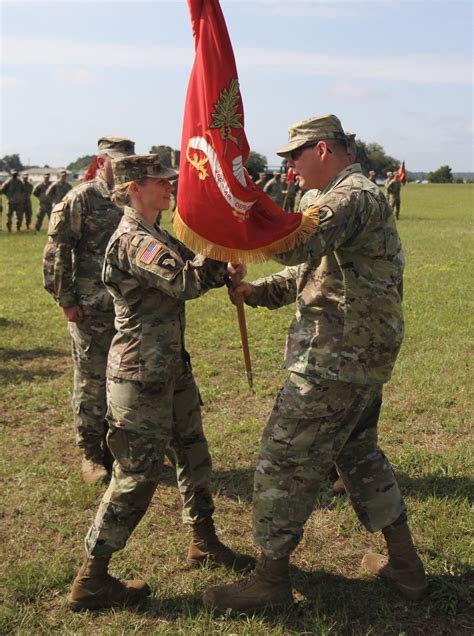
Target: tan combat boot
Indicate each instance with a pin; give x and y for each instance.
(94, 588)
(270, 586)
(403, 565)
(92, 468)
(206, 549)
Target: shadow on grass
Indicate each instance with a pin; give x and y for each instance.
(15, 376)
(5, 322)
(436, 486)
(29, 354)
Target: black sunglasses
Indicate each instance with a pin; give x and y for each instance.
(296, 154)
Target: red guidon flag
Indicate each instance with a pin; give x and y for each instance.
(221, 212)
(402, 174)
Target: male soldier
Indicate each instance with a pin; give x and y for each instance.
(274, 188)
(393, 190)
(341, 348)
(13, 190)
(262, 179)
(27, 190)
(79, 230)
(59, 189)
(44, 203)
(372, 176)
(388, 179)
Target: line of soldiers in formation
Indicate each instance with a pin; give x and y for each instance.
(18, 192)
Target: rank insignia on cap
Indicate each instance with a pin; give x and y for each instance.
(149, 252)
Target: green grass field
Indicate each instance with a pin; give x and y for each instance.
(425, 430)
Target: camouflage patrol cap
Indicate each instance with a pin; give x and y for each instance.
(62, 172)
(313, 129)
(115, 147)
(137, 167)
(13, 172)
(46, 174)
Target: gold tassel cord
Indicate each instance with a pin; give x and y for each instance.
(309, 224)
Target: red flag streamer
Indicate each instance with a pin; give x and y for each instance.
(402, 174)
(291, 176)
(221, 212)
(91, 170)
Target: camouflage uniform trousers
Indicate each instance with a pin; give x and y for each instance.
(143, 420)
(90, 340)
(314, 423)
(394, 203)
(14, 207)
(43, 210)
(27, 212)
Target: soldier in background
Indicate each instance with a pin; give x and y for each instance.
(44, 203)
(79, 230)
(393, 187)
(372, 176)
(153, 400)
(262, 179)
(58, 190)
(27, 190)
(13, 190)
(341, 349)
(274, 188)
(388, 179)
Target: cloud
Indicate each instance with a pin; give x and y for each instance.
(421, 68)
(304, 10)
(11, 81)
(354, 92)
(76, 76)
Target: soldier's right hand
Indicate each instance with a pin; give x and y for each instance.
(74, 313)
(238, 294)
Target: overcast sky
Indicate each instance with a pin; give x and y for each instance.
(395, 72)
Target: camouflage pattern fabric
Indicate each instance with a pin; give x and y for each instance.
(26, 202)
(57, 191)
(314, 423)
(349, 320)
(90, 343)
(13, 190)
(44, 204)
(79, 230)
(150, 275)
(275, 190)
(143, 420)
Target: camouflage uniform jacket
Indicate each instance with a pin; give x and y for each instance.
(57, 191)
(349, 322)
(27, 190)
(13, 189)
(150, 275)
(79, 230)
(39, 191)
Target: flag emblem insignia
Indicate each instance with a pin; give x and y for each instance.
(149, 252)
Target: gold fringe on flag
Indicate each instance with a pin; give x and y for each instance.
(309, 224)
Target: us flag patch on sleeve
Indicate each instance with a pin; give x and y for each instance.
(149, 252)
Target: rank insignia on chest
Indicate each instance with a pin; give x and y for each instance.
(148, 253)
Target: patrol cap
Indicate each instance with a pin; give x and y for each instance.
(313, 129)
(115, 147)
(46, 174)
(13, 172)
(389, 174)
(135, 167)
(62, 172)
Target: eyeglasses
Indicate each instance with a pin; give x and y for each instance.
(296, 154)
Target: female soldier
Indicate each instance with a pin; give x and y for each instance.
(152, 397)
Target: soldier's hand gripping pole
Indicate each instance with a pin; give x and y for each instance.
(235, 279)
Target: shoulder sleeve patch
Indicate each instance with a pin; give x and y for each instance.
(149, 252)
